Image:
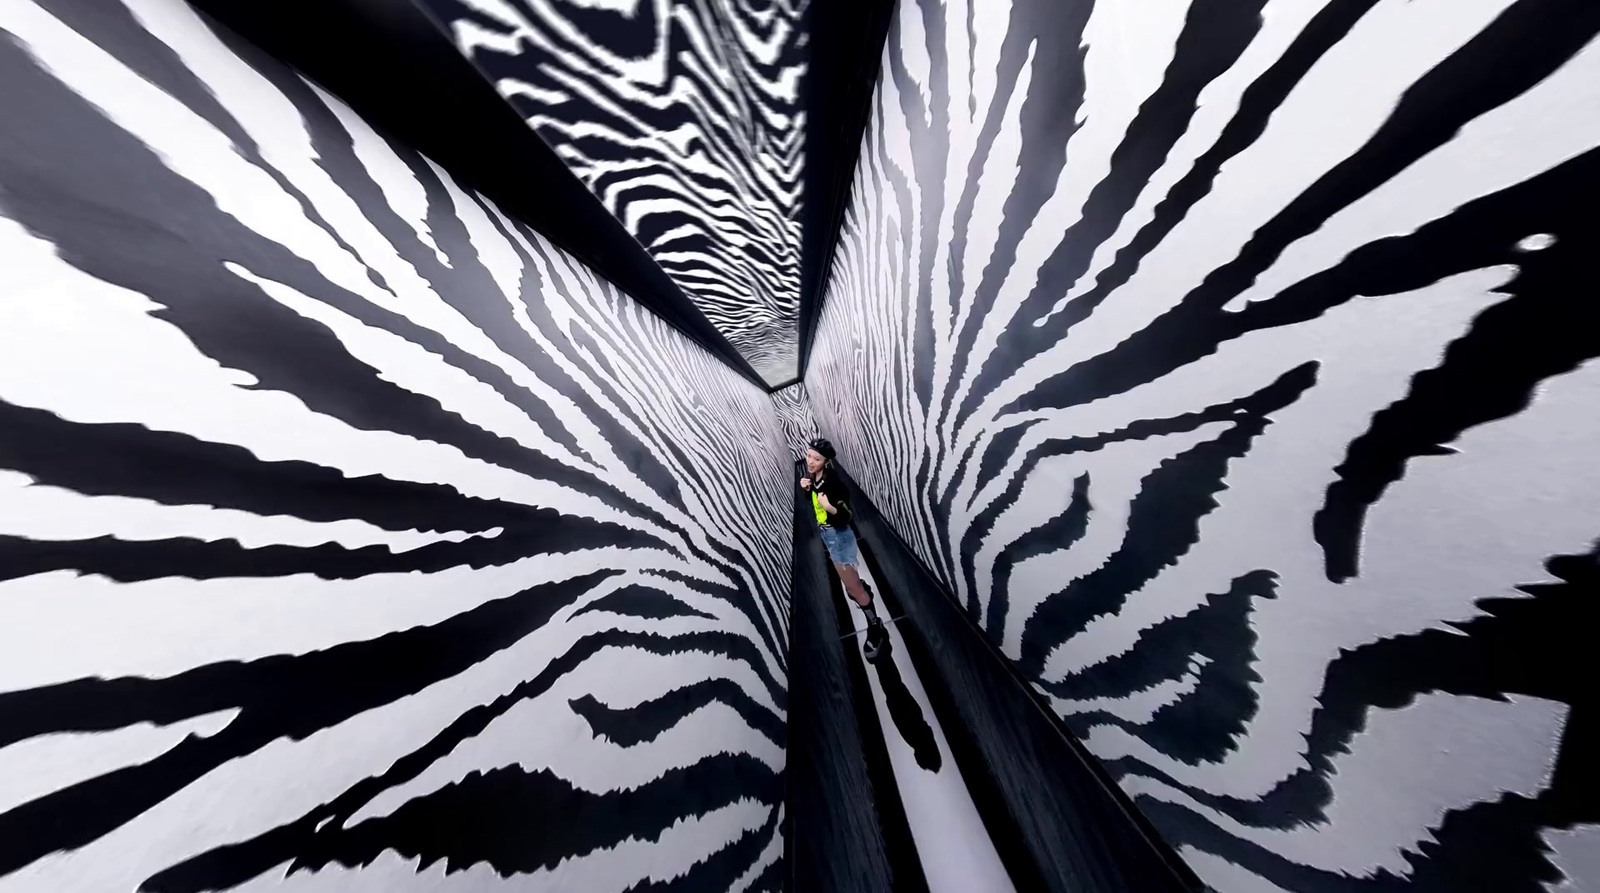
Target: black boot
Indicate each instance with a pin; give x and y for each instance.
(877, 643)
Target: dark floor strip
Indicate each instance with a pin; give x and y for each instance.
(1056, 819)
(835, 842)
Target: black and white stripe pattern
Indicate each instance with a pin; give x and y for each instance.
(348, 529)
(799, 426)
(684, 118)
(1234, 362)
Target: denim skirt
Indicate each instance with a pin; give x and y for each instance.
(841, 544)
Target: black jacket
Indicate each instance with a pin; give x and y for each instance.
(838, 494)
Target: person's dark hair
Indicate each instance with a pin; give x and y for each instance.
(823, 448)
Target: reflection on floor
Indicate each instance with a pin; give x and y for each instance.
(954, 847)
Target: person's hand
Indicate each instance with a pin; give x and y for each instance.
(822, 500)
(805, 483)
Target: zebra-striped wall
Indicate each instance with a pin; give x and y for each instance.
(351, 537)
(799, 426)
(684, 118)
(1233, 362)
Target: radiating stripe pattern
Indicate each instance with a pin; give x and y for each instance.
(351, 536)
(1234, 363)
(799, 426)
(684, 118)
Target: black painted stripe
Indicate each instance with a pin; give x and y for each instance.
(1522, 47)
(628, 727)
(1215, 33)
(640, 601)
(1163, 524)
(549, 533)
(511, 819)
(122, 459)
(1058, 533)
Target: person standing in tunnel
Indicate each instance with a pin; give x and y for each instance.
(830, 501)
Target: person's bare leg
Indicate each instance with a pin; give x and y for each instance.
(852, 585)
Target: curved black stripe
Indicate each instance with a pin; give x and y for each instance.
(767, 615)
(1060, 532)
(1522, 47)
(723, 869)
(1215, 33)
(1259, 102)
(641, 601)
(296, 694)
(1047, 121)
(644, 459)
(1280, 393)
(581, 350)
(1534, 646)
(631, 726)
(767, 611)
(942, 507)
(1218, 629)
(1484, 847)
(105, 228)
(264, 686)
(513, 820)
(121, 459)
(927, 123)
(725, 230)
(641, 458)
(410, 81)
(234, 864)
(1544, 329)
(1202, 726)
(341, 683)
(113, 28)
(518, 821)
(771, 879)
(630, 36)
(1163, 523)
(548, 533)
(1490, 845)
(283, 696)
(465, 284)
(996, 453)
(334, 153)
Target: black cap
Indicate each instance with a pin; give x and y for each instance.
(823, 448)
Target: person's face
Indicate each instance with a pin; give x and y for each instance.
(814, 461)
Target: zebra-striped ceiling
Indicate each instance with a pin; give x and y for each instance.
(685, 118)
(412, 85)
